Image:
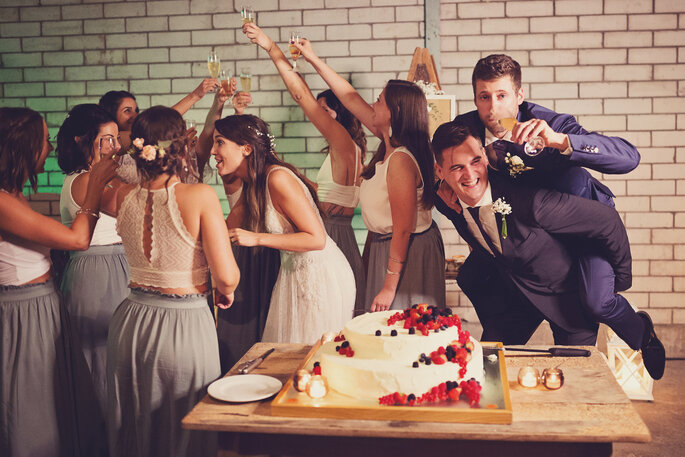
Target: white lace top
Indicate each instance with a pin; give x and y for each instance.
(176, 258)
(105, 230)
(376, 205)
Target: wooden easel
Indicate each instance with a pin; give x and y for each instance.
(422, 68)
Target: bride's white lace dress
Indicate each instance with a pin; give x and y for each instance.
(315, 290)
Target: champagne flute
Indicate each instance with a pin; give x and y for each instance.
(294, 51)
(214, 64)
(225, 80)
(247, 14)
(246, 80)
(533, 147)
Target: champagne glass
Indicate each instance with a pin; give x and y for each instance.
(106, 145)
(214, 64)
(294, 51)
(225, 80)
(246, 79)
(533, 147)
(247, 14)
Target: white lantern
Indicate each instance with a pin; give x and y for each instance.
(628, 368)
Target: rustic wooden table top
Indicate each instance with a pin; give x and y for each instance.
(590, 408)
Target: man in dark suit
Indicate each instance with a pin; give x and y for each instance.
(524, 235)
(498, 95)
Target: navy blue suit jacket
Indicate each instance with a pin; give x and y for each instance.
(552, 170)
(533, 256)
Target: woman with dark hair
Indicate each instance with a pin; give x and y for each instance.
(162, 349)
(339, 177)
(95, 281)
(315, 291)
(40, 389)
(123, 107)
(406, 253)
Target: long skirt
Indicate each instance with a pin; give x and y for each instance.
(339, 228)
(95, 282)
(41, 370)
(423, 277)
(242, 325)
(162, 353)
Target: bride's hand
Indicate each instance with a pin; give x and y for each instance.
(256, 35)
(305, 47)
(243, 237)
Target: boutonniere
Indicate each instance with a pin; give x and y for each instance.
(516, 165)
(503, 208)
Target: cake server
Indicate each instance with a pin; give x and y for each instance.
(252, 364)
(555, 352)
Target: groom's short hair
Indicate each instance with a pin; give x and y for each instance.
(448, 135)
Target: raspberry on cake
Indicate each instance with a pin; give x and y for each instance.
(384, 365)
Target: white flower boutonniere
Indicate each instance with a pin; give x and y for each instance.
(516, 165)
(503, 208)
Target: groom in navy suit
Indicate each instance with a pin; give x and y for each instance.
(498, 94)
(524, 244)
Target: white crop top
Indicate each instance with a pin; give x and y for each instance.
(105, 229)
(376, 205)
(331, 192)
(177, 259)
(21, 261)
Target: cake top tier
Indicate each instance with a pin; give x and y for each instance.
(402, 336)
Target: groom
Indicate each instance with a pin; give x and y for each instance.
(520, 231)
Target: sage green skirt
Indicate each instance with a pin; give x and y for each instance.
(162, 353)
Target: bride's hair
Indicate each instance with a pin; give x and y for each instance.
(250, 130)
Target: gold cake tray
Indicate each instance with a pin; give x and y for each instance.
(494, 406)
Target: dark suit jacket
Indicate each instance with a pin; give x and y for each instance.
(534, 258)
(553, 170)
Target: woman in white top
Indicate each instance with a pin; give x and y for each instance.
(39, 371)
(339, 177)
(406, 255)
(315, 290)
(162, 350)
(94, 281)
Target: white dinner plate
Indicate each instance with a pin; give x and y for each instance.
(244, 388)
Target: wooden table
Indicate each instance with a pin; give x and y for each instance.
(583, 418)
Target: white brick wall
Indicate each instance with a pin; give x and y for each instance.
(617, 65)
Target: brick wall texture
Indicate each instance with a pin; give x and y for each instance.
(619, 66)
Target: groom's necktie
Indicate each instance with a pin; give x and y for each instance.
(474, 213)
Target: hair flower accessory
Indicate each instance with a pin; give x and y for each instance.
(516, 165)
(149, 152)
(503, 208)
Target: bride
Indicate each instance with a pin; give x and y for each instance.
(315, 290)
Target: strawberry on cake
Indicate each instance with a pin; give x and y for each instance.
(414, 356)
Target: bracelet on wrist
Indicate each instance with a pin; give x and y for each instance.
(390, 272)
(88, 212)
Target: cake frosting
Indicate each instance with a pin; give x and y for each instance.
(392, 352)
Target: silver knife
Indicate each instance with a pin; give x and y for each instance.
(252, 364)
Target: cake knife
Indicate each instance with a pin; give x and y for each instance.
(252, 364)
(555, 352)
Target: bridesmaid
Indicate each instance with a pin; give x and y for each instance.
(162, 349)
(340, 175)
(406, 252)
(43, 397)
(95, 281)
